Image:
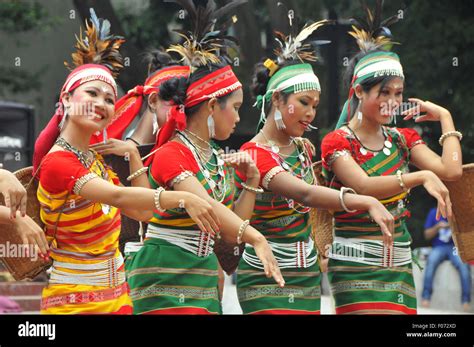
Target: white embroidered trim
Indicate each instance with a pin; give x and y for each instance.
(181, 177)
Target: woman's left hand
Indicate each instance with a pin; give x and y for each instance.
(114, 146)
(242, 162)
(432, 112)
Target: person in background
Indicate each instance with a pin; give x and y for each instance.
(443, 249)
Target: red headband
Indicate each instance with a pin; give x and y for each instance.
(128, 106)
(216, 84)
(80, 75)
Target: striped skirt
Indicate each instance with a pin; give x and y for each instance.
(166, 279)
(366, 289)
(261, 295)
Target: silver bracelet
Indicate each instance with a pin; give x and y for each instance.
(443, 137)
(137, 173)
(242, 228)
(251, 189)
(158, 192)
(343, 191)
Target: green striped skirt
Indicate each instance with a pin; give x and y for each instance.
(367, 289)
(261, 295)
(166, 279)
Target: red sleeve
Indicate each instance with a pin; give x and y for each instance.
(264, 159)
(60, 170)
(333, 142)
(411, 136)
(170, 160)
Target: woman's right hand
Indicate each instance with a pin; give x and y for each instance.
(265, 254)
(383, 218)
(436, 188)
(202, 213)
(31, 234)
(13, 193)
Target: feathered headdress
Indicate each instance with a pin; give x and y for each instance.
(97, 46)
(293, 46)
(372, 32)
(206, 42)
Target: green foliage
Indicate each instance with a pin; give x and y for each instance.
(15, 17)
(18, 16)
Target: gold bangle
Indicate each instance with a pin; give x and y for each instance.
(137, 173)
(443, 137)
(251, 189)
(242, 228)
(400, 181)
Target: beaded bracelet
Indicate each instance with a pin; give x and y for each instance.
(137, 173)
(251, 189)
(158, 192)
(443, 137)
(343, 191)
(242, 228)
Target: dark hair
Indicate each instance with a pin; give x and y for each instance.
(367, 84)
(261, 77)
(175, 89)
(157, 59)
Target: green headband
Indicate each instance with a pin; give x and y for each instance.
(289, 79)
(373, 65)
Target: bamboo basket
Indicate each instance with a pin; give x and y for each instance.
(462, 223)
(22, 267)
(321, 220)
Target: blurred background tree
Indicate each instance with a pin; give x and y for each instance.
(19, 17)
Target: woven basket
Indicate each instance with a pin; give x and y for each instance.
(462, 197)
(23, 267)
(321, 220)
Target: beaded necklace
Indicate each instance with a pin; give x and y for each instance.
(215, 178)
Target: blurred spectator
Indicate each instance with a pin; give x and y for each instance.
(439, 232)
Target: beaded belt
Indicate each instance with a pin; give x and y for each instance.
(371, 252)
(104, 273)
(84, 297)
(194, 241)
(288, 255)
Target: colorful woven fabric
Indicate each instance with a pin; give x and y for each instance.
(283, 222)
(357, 287)
(165, 278)
(87, 234)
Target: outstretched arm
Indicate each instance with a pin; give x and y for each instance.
(230, 226)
